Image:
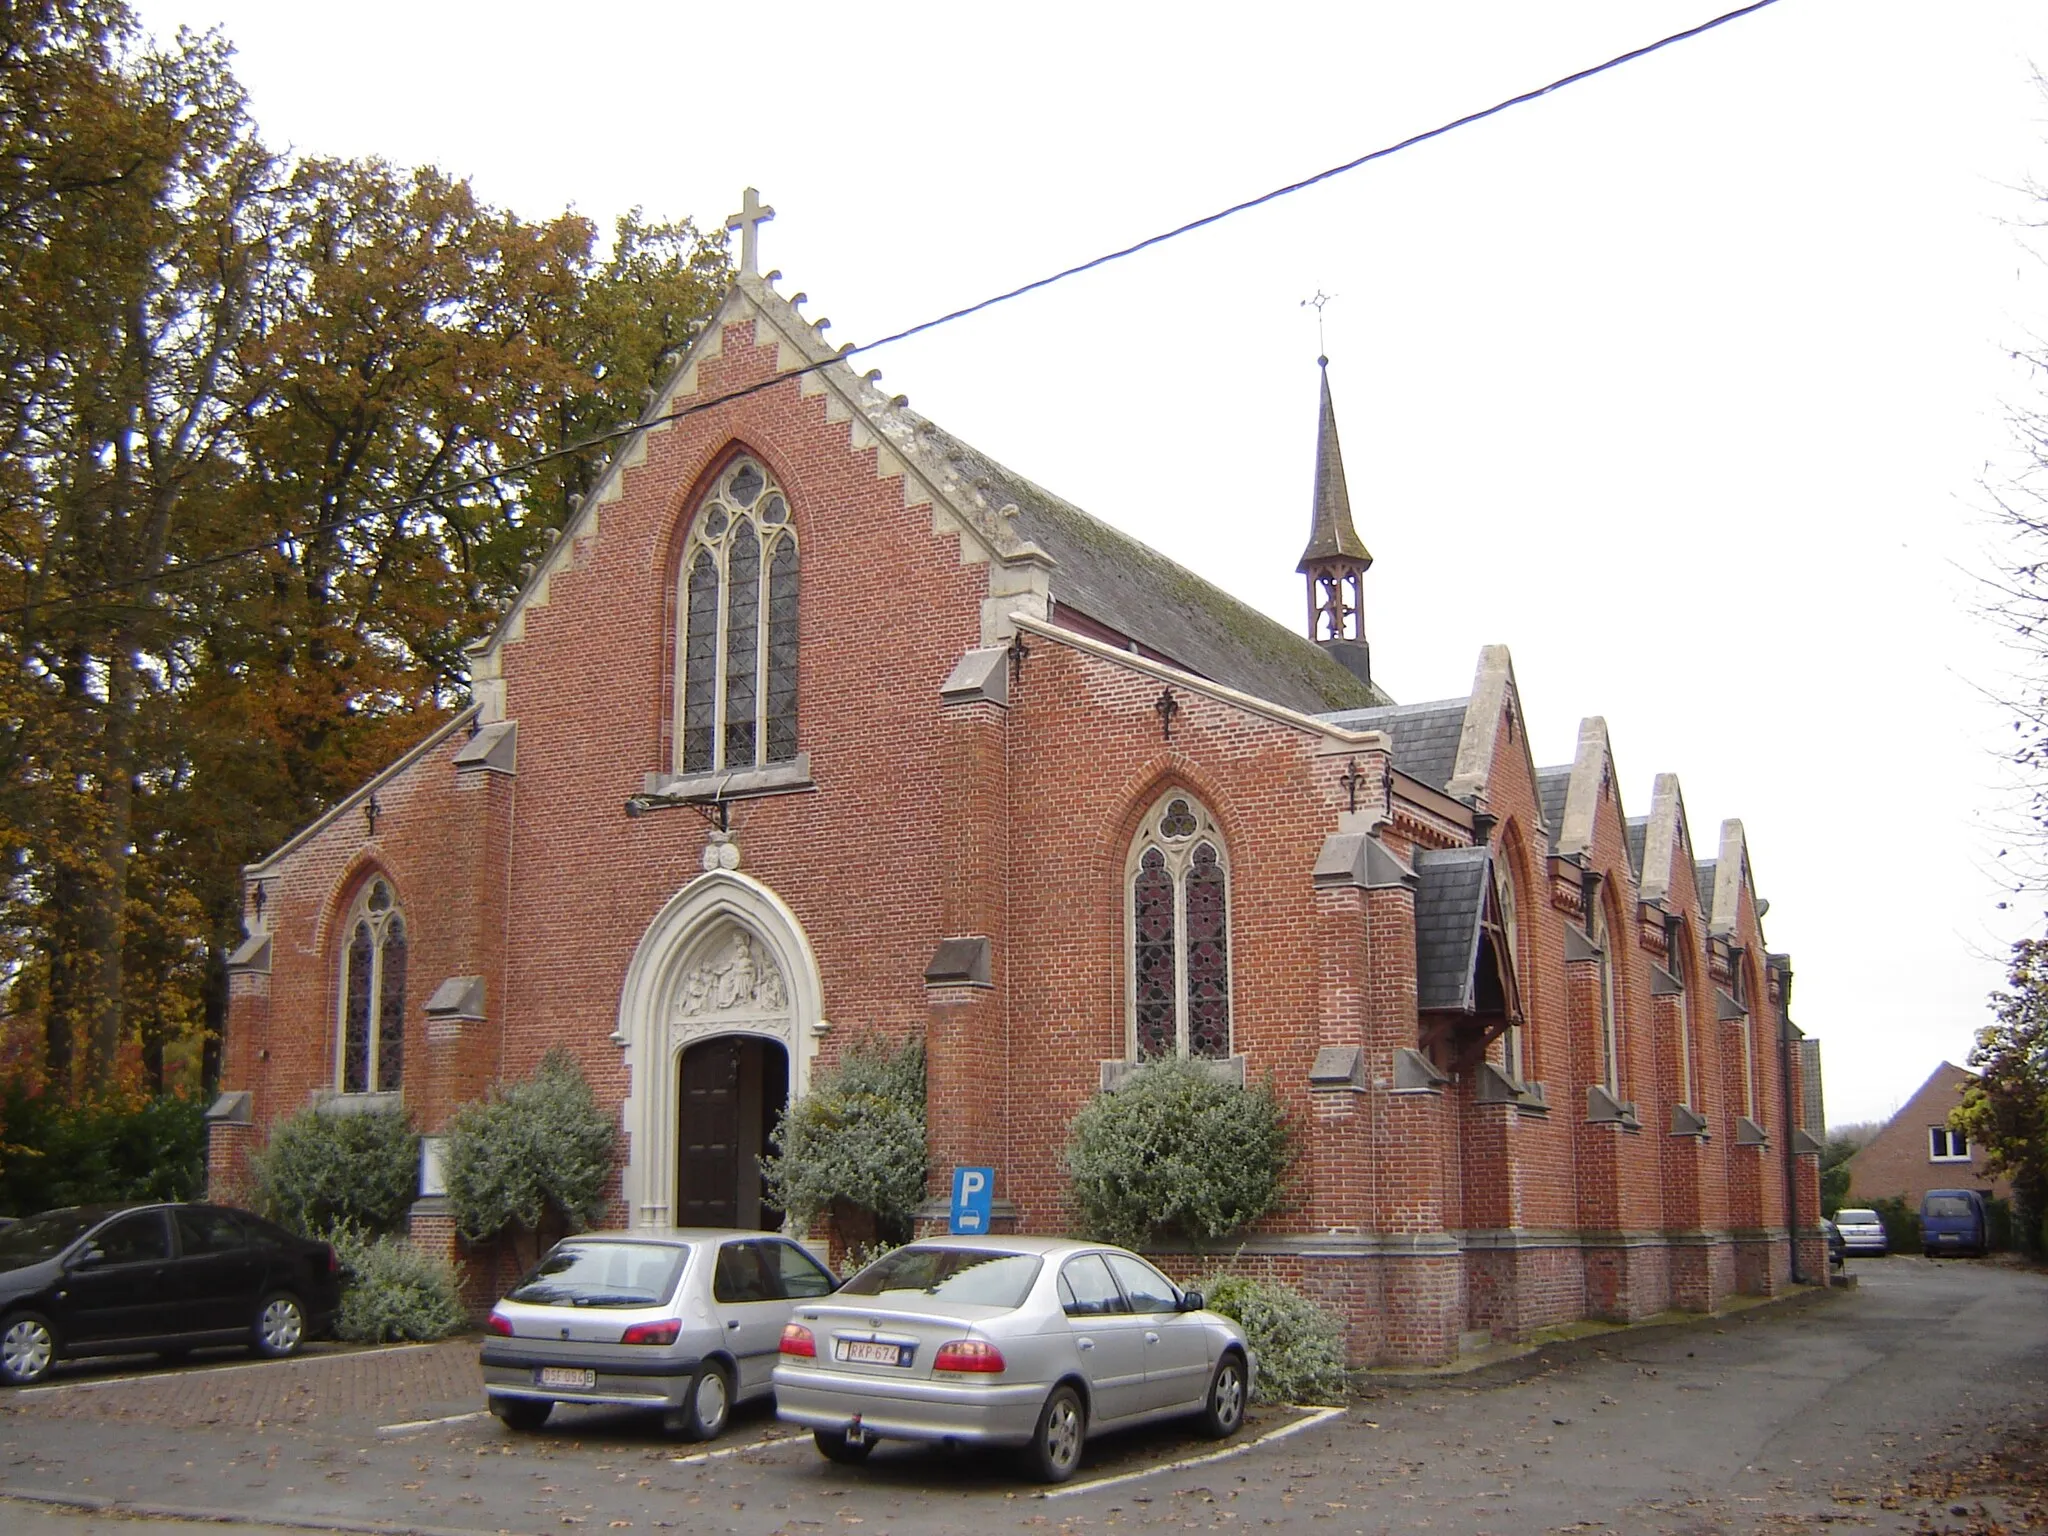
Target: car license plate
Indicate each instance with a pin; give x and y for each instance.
(872, 1352)
(562, 1376)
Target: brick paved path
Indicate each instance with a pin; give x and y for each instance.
(331, 1385)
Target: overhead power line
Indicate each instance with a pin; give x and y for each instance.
(615, 434)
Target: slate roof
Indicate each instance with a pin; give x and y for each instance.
(1703, 877)
(1450, 902)
(1425, 735)
(1117, 581)
(1551, 787)
(1638, 835)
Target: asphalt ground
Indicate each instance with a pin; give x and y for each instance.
(1917, 1402)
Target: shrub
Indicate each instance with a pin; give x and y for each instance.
(1176, 1149)
(855, 1143)
(1901, 1223)
(323, 1171)
(392, 1291)
(530, 1151)
(115, 1147)
(1300, 1345)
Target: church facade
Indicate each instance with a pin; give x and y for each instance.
(1064, 807)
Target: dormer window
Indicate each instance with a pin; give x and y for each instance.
(736, 652)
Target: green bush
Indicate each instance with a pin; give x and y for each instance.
(392, 1292)
(1176, 1149)
(529, 1152)
(323, 1171)
(1998, 1225)
(1901, 1223)
(855, 1143)
(1299, 1345)
(114, 1148)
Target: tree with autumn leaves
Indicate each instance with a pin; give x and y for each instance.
(263, 429)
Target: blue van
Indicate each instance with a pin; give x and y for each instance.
(1953, 1221)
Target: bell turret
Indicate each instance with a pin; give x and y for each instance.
(1336, 559)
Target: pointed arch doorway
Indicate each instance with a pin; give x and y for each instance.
(730, 1092)
(718, 1022)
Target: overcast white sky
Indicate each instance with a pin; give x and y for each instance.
(1681, 383)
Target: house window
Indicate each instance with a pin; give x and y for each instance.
(1177, 885)
(1947, 1146)
(373, 994)
(736, 653)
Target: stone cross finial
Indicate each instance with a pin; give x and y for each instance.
(748, 221)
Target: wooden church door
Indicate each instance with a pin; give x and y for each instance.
(733, 1089)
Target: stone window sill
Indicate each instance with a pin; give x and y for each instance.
(733, 783)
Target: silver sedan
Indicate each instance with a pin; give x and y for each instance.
(679, 1321)
(1016, 1341)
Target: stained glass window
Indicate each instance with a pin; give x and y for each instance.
(737, 654)
(373, 995)
(1180, 935)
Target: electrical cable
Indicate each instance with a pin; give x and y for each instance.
(602, 439)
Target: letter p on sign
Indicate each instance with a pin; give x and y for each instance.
(974, 1193)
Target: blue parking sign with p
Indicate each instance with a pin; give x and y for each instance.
(974, 1197)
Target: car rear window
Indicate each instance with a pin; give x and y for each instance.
(979, 1276)
(585, 1274)
(1857, 1218)
(1947, 1205)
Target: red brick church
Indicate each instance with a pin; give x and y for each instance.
(1064, 805)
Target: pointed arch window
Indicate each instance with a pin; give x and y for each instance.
(1514, 1042)
(1177, 888)
(1609, 1038)
(372, 1054)
(736, 653)
(1678, 964)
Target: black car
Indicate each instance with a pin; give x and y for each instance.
(118, 1279)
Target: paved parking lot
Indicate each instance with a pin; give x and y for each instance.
(1897, 1407)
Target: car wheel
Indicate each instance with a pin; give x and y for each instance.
(1055, 1449)
(525, 1414)
(833, 1445)
(280, 1326)
(28, 1348)
(706, 1406)
(1223, 1410)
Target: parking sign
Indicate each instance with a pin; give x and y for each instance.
(974, 1197)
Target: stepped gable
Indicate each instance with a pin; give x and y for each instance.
(1425, 736)
(1165, 609)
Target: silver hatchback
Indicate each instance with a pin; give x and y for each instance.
(1862, 1232)
(678, 1321)
(1019, 1341)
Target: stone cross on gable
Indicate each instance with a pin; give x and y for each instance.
(748, 221)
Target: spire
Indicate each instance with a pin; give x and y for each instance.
(1336, 559)
(1330, 535)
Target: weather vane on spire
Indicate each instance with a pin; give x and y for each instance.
(748, 221)
(1317, 302)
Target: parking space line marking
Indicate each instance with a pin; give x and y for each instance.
(175, 1374)
(412, 1426)
(1318, 1416)
(736, 1450)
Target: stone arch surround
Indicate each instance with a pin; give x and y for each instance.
(687, 983)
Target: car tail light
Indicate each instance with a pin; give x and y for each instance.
(500, 1324)
(797, 1340)
(968, 1355)
(652, 1333)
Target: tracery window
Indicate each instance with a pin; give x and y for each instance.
(1678, 964)
(736, 652)
(1178, 887)
(373, 994)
